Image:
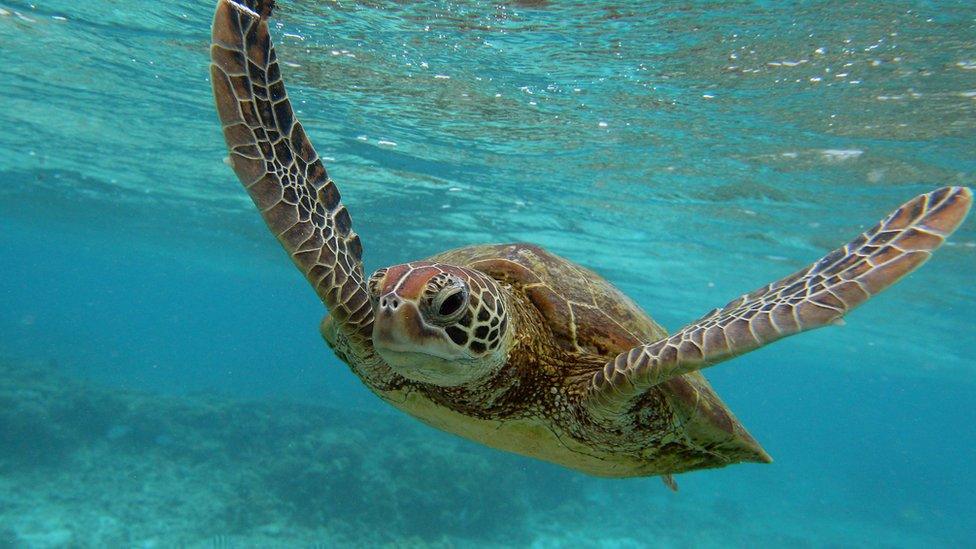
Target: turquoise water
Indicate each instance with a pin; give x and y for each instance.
(164, 381)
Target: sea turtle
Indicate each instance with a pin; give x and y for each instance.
(510, 345)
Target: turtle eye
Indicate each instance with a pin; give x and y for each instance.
(449, 304)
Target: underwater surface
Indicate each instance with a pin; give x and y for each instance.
(162, 379)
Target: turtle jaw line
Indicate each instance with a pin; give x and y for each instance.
(401, 351)
(429, 368)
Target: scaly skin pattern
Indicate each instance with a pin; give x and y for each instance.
(480, 330)
(535, 403)
(573, 371)
(280, 169)
(581, 318)
(816, 296)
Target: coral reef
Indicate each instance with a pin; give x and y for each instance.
(84, 465)
(90, 465)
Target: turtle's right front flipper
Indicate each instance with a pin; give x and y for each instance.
(816, 296)
(277, 165)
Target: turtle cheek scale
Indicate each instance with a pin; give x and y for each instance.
(375, 283)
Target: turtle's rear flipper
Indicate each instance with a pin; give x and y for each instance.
(670, 482)
(816, 296)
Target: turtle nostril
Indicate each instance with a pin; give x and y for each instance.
(389, 302)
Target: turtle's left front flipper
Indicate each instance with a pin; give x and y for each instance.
(813, 297)
(280, 169)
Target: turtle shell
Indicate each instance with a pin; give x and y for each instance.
(583, 310)
(588, 314)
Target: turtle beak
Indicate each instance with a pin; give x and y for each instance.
(409, 346)
(397, 325)
(399, 329)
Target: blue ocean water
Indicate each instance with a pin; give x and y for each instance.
(688, 153)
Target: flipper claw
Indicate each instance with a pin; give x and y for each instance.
(262, 8)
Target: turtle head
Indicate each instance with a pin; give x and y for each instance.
(439, 323)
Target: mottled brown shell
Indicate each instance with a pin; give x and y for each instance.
(587, 314)
(584, 311)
